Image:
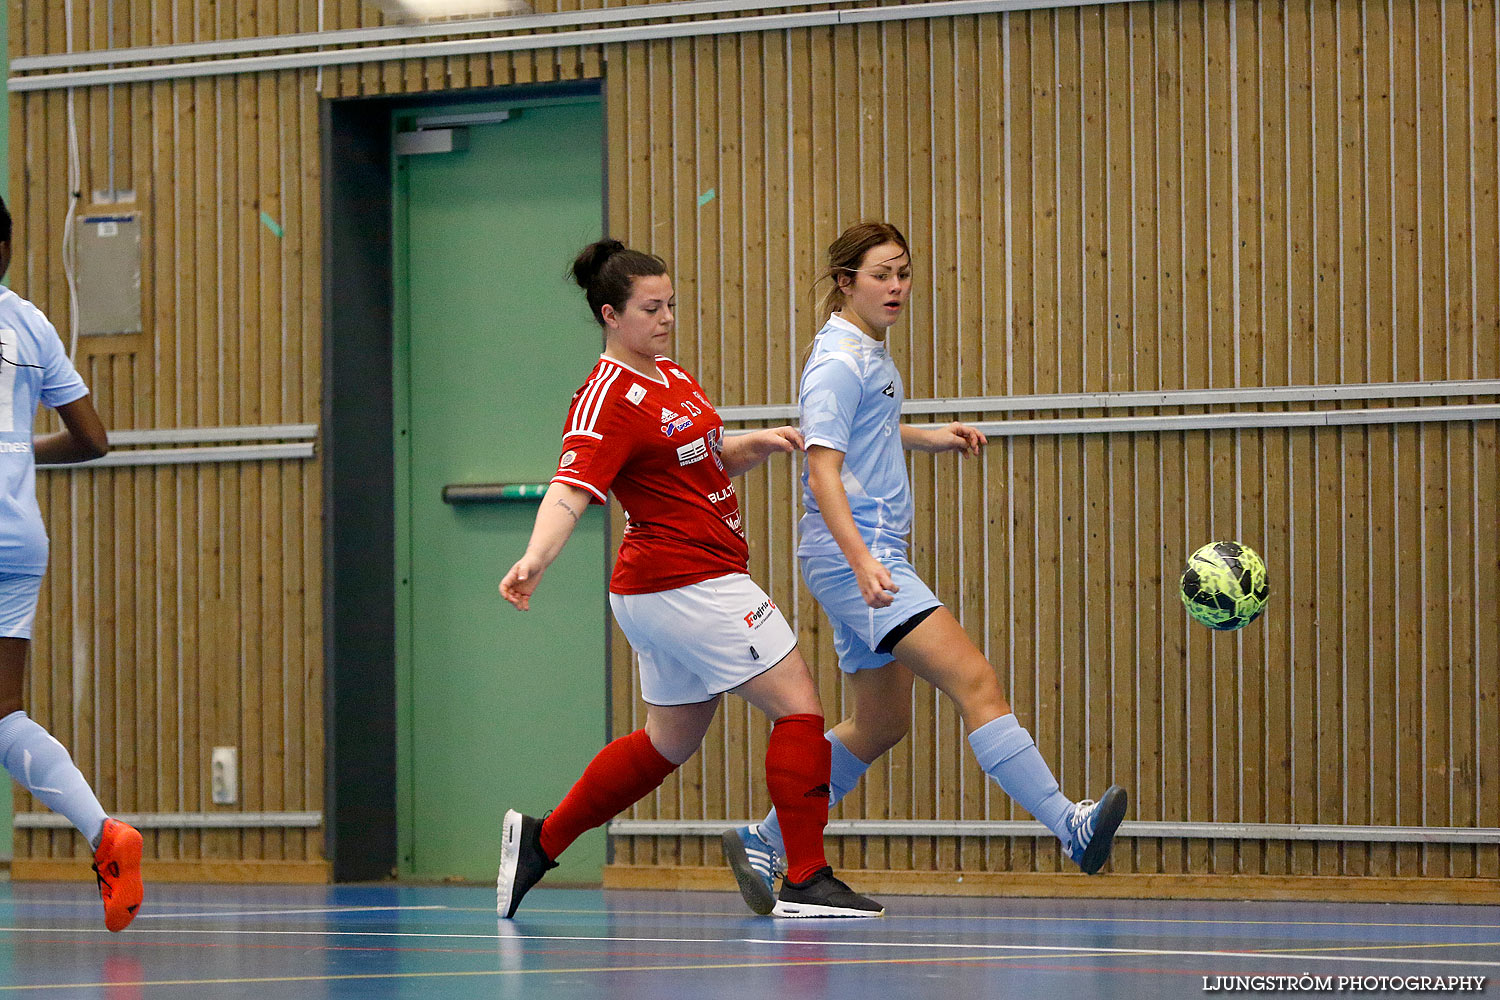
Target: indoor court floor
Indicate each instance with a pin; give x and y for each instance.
(379, 941)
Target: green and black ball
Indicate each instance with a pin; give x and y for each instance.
(1225, 586)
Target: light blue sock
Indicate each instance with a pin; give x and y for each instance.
(43, 768)
(845, 774)
(1007, 754)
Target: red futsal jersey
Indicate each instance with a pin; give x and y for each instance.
(656, 441)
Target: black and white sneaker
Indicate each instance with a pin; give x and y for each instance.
(1092, 826)
(823, 895)
(522, 861)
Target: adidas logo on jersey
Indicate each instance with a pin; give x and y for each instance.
(667, 415)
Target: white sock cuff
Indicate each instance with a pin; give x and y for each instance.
(998, 740)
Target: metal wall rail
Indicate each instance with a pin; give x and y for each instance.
(182, 821)
(1217, 421)
(1180, 397)
(529, 43)
(1139, 829)
(196, 435)
(1222, 421)
(396, 33)
(271, 443)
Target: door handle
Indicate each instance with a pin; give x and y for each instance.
(466, 493)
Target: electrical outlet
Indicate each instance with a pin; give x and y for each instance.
(224, 775)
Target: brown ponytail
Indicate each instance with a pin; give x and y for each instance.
(847, 252)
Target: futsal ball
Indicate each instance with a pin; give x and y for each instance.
(1225, 586)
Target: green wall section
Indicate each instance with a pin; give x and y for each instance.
(496, 708)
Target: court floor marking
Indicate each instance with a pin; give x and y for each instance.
(1399, 947)
(603, 911)
(931, 945)
(233, 909)
(471, 973)
(607, 911)
(1299, 954)
(281, 913)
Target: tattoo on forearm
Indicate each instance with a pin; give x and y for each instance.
(569, 508)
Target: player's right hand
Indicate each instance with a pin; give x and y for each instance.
(875, 584)
(521, 582)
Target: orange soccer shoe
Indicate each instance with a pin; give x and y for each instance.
(117, 863)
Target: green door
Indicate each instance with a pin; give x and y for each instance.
(496, 709)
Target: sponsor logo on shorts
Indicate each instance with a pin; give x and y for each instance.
(636, 393)
(758, 617)
(695, 451)
(719, 496)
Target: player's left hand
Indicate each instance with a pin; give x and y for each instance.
(521, 582)
(962, 438)
(781, 439)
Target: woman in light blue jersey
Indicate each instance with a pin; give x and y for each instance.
(35, 369)
(852, 549)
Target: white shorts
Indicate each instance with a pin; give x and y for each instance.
(698, 641)
(18, 597)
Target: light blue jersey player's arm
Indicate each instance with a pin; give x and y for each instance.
(825, 477)
(82, 438)
(949, 437)
(830, 394)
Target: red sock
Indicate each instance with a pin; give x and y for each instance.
(619, 775)
(797, 763)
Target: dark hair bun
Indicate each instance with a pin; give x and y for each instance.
(606, 270)
(591, 260)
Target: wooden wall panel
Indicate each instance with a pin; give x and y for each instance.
(1156, 195)
(1187, 195)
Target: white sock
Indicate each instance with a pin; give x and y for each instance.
(1006, 753)
(42, 766)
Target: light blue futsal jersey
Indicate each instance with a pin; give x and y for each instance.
(850, 400)
(35, 370)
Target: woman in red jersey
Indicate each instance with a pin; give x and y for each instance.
(642, 427)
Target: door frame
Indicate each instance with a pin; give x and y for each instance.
(357, 452)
